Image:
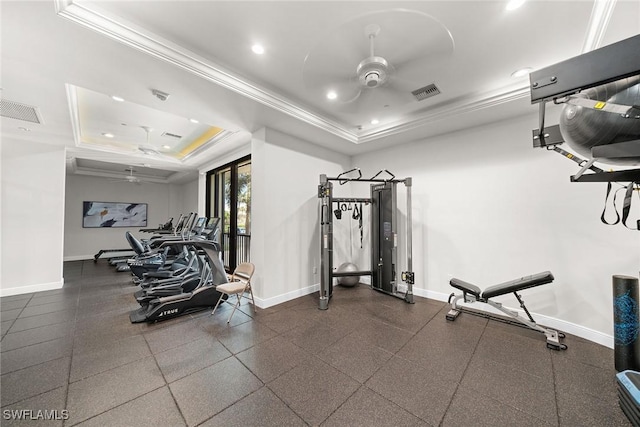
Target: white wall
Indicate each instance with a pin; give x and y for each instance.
(33, 177)
(285, 245)
(487, 208)
(164, 201)
(189, 196)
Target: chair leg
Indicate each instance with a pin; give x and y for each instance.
(253, 301)
(234, 307)
(217, 304)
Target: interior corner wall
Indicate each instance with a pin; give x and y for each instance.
(285, 226)
(33, 188)
(188, 193)
(488, 208)
(164, 201)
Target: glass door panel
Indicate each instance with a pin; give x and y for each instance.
(243, 213)
(229, 196)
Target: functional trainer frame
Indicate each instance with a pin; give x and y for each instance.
(383, 203)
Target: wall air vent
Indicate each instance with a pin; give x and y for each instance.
(15, 110)
(426, 92)
(171, 135)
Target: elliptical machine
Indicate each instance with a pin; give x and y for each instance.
(203, 295)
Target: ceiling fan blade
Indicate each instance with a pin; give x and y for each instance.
(412, 43)
(337, 54)
(332, 63)
(320, 78)
(419, 72)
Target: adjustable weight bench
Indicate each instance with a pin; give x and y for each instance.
(472, 293)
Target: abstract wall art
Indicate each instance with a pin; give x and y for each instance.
(108, 214)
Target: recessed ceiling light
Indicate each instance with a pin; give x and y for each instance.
(108, 135)
(257, 49)
(522, 72)
(332, 94)
(375, 121)
(514, 4)
(194, 121)
(117, 98)
(24, 129)
(166, 147)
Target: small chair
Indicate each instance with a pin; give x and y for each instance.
(239, 283)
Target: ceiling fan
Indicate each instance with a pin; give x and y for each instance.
(378, 59)
(130, 178)
(148, 149)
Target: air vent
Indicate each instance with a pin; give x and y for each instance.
(426, 92)
(15, 110)
(171, 135)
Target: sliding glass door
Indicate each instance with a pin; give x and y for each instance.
(229, 198)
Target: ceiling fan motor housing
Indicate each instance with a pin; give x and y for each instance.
(373, 71)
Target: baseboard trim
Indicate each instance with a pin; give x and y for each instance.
(78, 258)
(279, 299)
(551, 322)
(19, 290)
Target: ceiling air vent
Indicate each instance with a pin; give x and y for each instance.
(15, 110)
(171, 135)
(426, 92)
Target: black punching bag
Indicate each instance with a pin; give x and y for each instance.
(625, 323)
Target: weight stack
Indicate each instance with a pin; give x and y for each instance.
(626, 323)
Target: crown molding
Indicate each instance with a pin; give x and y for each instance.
(144, 41)
(72, 99)
(165, 50)
(468, 104)
(598, 23)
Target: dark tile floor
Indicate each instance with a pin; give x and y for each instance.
(370, 360)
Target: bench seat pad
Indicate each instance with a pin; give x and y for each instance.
(518, 284)
(466, 287)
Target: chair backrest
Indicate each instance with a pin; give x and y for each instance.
(244, 271)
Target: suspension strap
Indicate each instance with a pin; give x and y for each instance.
(357, 215)
(626, 111)
(626, 205)
(360, 226)
(573, 157)
(606, 199)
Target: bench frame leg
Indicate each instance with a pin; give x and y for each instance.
(553, 337)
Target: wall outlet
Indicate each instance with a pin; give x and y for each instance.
(315, 270)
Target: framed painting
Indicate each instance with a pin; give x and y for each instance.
(109, 214)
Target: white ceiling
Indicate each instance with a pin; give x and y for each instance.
(200, 53)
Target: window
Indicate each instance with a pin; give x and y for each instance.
(229, 198)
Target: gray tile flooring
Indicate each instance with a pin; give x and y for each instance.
(370, 360)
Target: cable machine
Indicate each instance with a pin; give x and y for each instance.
(384, 234)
